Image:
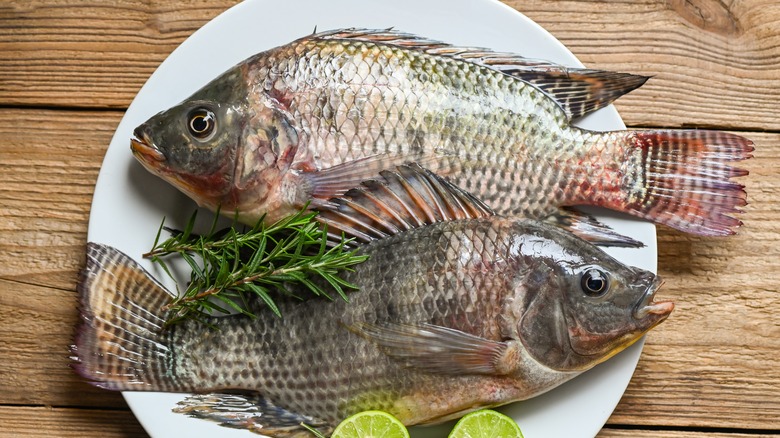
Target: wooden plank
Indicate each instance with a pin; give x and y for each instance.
(90, 52)
(46, 422)
(37, 326)
(713, 63)
(49, 161)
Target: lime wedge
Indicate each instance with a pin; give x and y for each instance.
(370, 424)
(486, 424)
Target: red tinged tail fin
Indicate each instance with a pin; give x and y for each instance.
(683, 179)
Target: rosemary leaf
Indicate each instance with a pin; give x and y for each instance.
(263, 294)
(190, 225)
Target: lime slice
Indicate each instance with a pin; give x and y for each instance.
(486, 424)
(371, 424)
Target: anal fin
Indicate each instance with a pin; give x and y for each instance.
(337, 180)
(252, 412)
(588, 228)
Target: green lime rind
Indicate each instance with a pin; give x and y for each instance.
(486, 423)
(371, 424)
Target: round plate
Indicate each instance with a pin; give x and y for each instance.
(129, 202)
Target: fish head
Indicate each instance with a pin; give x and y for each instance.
(587, 306)
(226, 146)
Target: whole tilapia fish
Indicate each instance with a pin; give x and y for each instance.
(314, 118)
(449, 317)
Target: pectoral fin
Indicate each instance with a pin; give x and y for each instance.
(337, 180)
(440, 350)
(251, 412)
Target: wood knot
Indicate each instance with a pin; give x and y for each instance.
(711, 15)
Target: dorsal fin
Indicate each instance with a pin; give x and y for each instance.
(577, 91)
(403, 199)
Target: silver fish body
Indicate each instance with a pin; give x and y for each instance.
(449, 317)
(311, 119)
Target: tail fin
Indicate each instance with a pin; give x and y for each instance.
(682, 179)
(120, 344)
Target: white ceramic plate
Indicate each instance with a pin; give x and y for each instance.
(129, 203)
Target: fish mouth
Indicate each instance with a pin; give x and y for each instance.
(143, 147)
(646, 306)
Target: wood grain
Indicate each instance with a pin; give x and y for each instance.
(90, 53)
(37, 326)
(49, 163)
(47, 422)
(713, 63)
(721, 344)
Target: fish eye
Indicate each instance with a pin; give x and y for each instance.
(594, 282)
(202, 122)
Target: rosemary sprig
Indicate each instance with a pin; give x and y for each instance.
(229, 266)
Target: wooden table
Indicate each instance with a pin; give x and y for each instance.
(69, 68)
